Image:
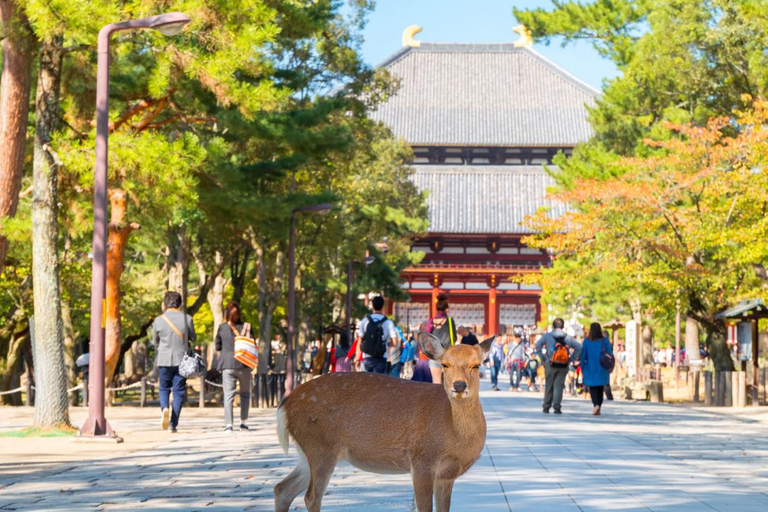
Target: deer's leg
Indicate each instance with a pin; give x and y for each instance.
(293, 485)
(423, 485)
(321, 472)
(443, 491)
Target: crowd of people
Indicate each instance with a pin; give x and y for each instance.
(531, 360)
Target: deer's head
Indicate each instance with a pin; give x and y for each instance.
(461, 364)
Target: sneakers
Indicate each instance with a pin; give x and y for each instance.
(228, 429)
(495, 388)
(558, 411)
(166, 418)
(244, 427)
(174, 431)
(545, 410)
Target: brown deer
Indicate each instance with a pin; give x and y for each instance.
(386, 425)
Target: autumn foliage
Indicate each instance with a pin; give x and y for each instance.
(688, 220)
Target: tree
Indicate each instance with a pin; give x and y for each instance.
(51, 401)
(18, 48)
(686, 221)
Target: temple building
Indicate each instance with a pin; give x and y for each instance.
(483, 120)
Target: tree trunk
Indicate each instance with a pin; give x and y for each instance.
(692, 352)
(119, 231)
(70, 348)
(238, 269)
(15, 83)
(646, 344)
(215, 298)
(51, 401)
(178, 263)
(17, 333)
(269, 295)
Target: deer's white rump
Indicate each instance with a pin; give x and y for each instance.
(386, 425)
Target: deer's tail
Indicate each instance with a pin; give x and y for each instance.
(282, 429)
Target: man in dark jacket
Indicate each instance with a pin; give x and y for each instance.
(171, 334)
(467, 338)
(555, 376)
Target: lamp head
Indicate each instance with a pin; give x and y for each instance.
(169, 24)
(369, 260)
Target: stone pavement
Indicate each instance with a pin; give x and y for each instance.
(637, 456)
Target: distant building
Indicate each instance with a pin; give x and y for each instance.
(482, 120)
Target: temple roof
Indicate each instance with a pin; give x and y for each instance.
(484, 199)
(484, 95)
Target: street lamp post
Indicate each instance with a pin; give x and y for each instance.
(168, 24)
(321, 209)
(368, 260)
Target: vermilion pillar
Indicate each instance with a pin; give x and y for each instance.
(435, 293)
(493, 308)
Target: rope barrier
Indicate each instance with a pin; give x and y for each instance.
(123, 388)
(213, 384)
(12, 391)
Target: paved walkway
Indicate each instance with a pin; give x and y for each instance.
(637, 456)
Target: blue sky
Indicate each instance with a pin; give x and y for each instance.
(472, 21)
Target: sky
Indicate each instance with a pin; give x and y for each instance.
(472, 21)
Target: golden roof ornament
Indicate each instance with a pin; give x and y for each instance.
(408, 34)
(526, 38)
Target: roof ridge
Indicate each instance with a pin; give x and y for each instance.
(562, 72)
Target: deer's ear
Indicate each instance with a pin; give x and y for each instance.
(485, 345)
(430, 345)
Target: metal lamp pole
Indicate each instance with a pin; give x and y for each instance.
(168, 24)
(322, 209)
(368, 260)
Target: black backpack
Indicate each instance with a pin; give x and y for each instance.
(374, 343)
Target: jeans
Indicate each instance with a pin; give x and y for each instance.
(375, 364)
(395, 369)
(170, 379)
(553, 390)
(516, 374)
(230, 379)
(495, 369)
(596, 392)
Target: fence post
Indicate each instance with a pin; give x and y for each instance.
(202, 392)
(718, 388)
(742, 389)
(728, 385)
(708, 387)
(735, 397)
(255, 390)
(765, 389)
(696, 380)
(143, 401)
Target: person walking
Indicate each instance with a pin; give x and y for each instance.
(408, 357)
(395, 352)
(233, 372)
(556, 350)
(516, 357)
(467, 337)
(595, 376)
(443, 328)
(531, 366)
(341, 355)
(495, 358)
(171, 334)
(377, 333)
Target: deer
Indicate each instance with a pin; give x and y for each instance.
(387, 425)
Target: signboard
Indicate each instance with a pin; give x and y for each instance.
(744, 338)
(632, 345)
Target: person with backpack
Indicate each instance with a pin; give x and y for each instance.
(171, 333)
(596, 365)
(443, 328)
(377, 336)
(234, 374)
(554, 350)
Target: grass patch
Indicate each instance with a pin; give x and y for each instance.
(61, 431)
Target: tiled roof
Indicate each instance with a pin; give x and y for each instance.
(484, 95)
(484, 199)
